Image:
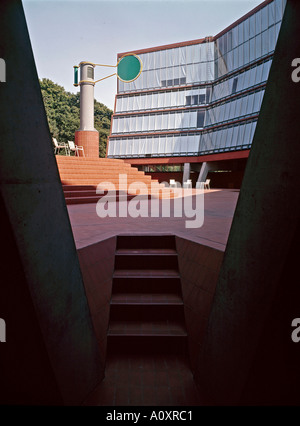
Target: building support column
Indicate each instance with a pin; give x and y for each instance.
(186, 172)
(203, 172)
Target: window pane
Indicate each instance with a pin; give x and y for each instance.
(240, 82)
(241, 33)
(158, 122)
(232, 114)
(235, 58)
(234, 136)
(246, 52)
(197, 53)
(193, 119)
(247, 134)
(171, 120)
(115, 125)
(229, 137)
(252, 26)
(238, 107)
(256, 104)
(250, 104)
(253, 126)
(240, 135)
(118, 105)
(139, 124)
(145, 125)
(241, 56)
(163, 58)
(264, 18)
(278, 10)
(167, 99)
(271, 13)
(186, 119)
(258, 74)
(246, 80)
(234, 37)
(244, 105)
(151, 122)
(265, 71)
(252, 72)
(135, 105)
(272, 40)
(252, 52)
(200, 119)
(258, 46)
(229, 40)
(265, 43)
(258, 22)
(246, 29)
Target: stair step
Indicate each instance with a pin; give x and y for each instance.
(149, 328)
(144, 285)
(147, 313)
(78, 188)
(146, 299)
(80, 193)
(147, 344)
(149, 261)
(146, 241)
(145, 251)
(73, 159)
(146, 273)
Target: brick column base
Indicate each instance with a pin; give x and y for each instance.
(90, 142)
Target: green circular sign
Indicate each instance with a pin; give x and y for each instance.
(129, 68)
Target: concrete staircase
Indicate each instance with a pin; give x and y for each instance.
(81, 176)
(146, 310)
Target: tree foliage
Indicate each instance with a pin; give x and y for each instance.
(63, 113)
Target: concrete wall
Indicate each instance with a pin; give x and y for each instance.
(247, 349)
(199, 268)
(54, 312)
(97, 266)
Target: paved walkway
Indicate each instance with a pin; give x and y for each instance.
(219, 205)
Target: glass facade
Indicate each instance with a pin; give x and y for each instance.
(201, 97)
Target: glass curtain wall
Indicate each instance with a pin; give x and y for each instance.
(200, 98)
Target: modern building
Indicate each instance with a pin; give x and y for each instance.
(193, 111)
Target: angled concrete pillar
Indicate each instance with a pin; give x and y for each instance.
(205, 168)
(50, 355)
(186, 172)
(247, 355)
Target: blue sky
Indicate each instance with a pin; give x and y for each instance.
(64, 33)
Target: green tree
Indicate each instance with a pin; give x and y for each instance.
(63, 113)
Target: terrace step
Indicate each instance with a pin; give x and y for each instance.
(81, 176)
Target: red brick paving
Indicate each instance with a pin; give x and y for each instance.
(219, 206)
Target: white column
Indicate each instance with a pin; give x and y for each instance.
(87, 96)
